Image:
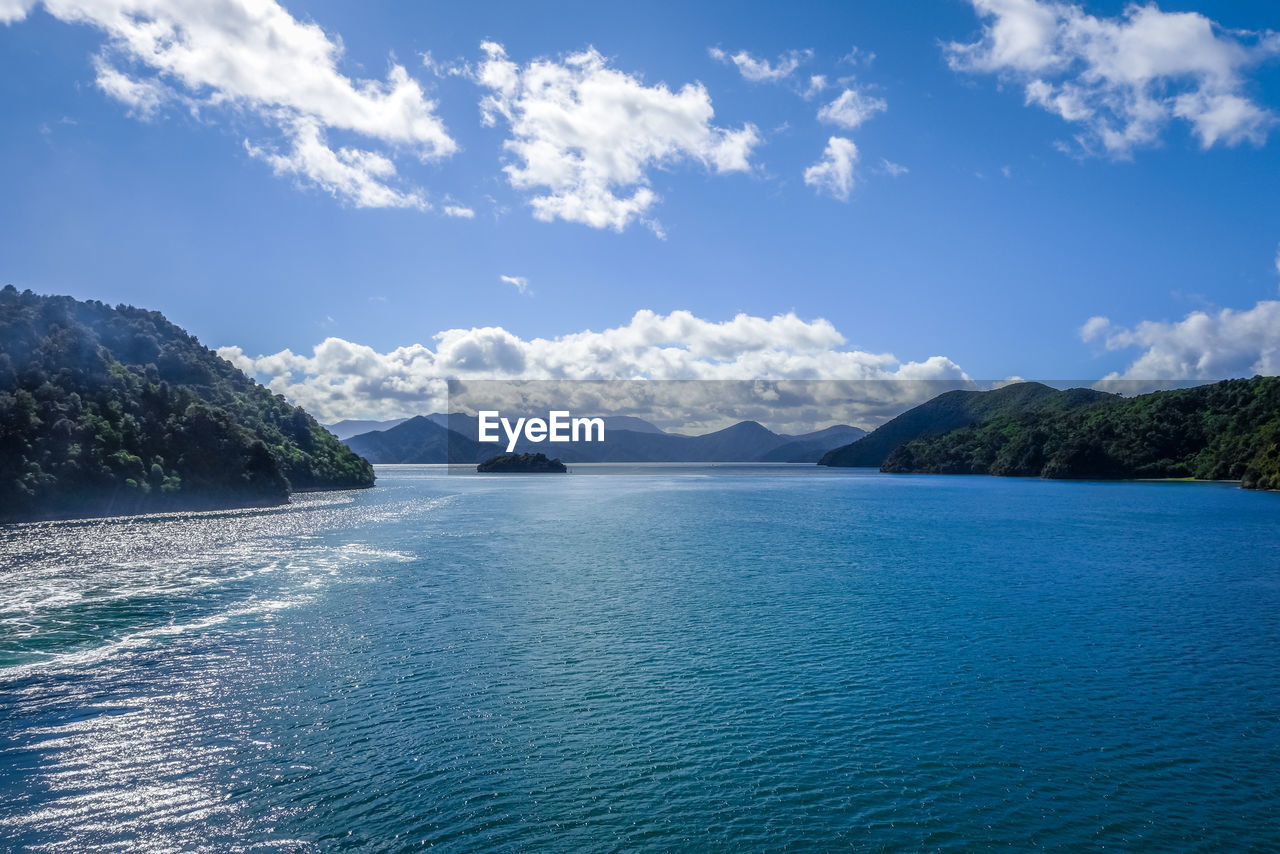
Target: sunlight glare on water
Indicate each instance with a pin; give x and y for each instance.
(731, 658)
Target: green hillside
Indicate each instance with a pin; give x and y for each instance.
(953, 410)
(116, 410)
(1224, 431)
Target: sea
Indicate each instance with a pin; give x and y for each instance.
(750, 658)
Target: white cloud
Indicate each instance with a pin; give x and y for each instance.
(251, 57)
(858, 56)
(817, 83)
(761, 70)
(15, 10)
(144, 98)
(348, 173)
(1202, 346)
(520, 282)
(456, 68)
(459, 212)
(342, 379)
(584, 135)
(896, 170)
(833, 174)
(851, 109)
(1124, 78)
(1093, 327)
(1277, 259)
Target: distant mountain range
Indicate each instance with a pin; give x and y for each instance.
(439, 438)
(469, 425)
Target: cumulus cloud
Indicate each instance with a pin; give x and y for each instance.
(833, 174)
(459, 212)
(851, 108)
(1124, 78)
(353, 174)
(584, 135)
(342, 379)
(761, 70)
(252, 58)
(1202, 346)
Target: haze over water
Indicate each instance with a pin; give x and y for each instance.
(735, 658)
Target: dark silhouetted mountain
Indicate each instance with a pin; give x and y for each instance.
(107, 411)
(953, 410)
(1223, 431)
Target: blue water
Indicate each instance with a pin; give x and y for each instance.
(760, 658)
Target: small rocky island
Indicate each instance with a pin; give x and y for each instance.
(522, 463)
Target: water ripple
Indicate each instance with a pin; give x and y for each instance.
(766, 661)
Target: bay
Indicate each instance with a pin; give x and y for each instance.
(657, 658)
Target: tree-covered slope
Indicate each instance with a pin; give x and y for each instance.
(953, 410)
(1224, 431)
(521, 464)
(117, 410)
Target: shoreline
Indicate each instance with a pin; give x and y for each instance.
(98, 512)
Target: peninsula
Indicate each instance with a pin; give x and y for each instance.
(117, 411)
(1228, 430)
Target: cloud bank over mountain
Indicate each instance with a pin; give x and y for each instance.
(1204, 345)
(343, 379)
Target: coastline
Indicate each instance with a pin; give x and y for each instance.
(103, 511)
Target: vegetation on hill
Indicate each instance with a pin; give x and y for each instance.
(1225, 431)
(116, 410)
(953, 410)
(522, 464)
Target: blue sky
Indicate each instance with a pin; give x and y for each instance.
(1055, 162)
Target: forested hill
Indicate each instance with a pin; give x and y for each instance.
(116, 410)
(956, 409)
(1225, 431)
